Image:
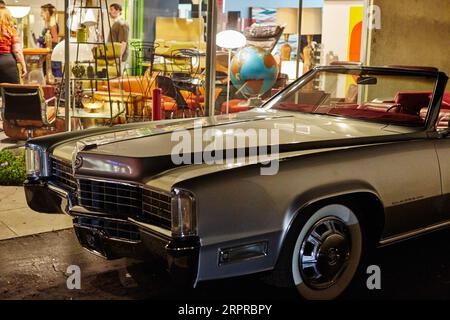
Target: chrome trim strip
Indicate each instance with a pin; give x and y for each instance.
(67, 200)
(61, 192)
(68, 162)
(221, 251)
(104, 235)
(414, 233)
(151, 227)
(129, 184)
(179, 249)
(82, 212)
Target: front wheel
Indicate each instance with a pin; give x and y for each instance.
(325, 252)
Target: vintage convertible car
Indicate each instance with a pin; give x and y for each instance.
(361, 157)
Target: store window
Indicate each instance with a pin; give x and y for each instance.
(251, 71)
(153, 66)
(168, 49)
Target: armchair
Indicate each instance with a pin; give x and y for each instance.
(112, 57)
(26, 113)
(178, 33)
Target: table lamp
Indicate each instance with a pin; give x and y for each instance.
(230, 39)
(287, 17)
(19, 12)
(84, 52)
(311, 25)
(90, 21)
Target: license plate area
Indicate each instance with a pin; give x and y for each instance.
(93, 240)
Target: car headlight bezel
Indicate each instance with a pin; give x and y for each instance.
(184, 218)
(34, 161)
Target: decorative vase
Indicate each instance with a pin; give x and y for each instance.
(78, 70)
(82, 34)
(90, 71)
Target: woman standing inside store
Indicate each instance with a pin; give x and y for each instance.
(48, 13)
(10, 50)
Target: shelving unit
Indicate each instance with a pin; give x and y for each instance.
(80, 77)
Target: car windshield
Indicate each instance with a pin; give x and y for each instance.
(386, 98)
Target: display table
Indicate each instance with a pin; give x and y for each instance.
(35, 57)
(131, 103)
(107, 108)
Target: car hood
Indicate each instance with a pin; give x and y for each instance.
(139, 153)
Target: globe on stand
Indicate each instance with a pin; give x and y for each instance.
(254, 71)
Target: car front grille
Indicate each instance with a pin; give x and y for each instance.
(123, 200)
(112, 198)
(62, 174)
(156, 208)
(112, 229)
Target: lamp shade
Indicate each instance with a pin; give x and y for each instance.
(288, 17)
(84, 52)
(230, 39)
(312, 21)
(19, 12)
(89, 18)
(74, 20)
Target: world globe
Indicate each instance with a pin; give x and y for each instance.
(254, 71)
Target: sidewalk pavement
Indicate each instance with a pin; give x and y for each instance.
(16, 218)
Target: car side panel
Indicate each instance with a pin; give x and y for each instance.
(443, 152)
(241, 206)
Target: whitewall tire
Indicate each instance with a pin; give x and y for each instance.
(327, 252)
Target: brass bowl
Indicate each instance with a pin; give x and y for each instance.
(93, 107)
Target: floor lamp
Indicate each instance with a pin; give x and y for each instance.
(230, 39)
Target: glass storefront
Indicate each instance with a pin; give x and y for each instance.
(250, 72)
(206, 57)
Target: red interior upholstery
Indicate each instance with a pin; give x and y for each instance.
(444, 114)
(412, 102)
(377, 115)
(307, 107)
(233, 106)
(383, 107)
(408, 107)
(446, 101)
(296, 107)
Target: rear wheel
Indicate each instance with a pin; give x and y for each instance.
(323, 252)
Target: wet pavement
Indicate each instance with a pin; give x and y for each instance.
(34, 267)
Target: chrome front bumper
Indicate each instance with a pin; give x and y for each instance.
(46, 197)
(180, 255)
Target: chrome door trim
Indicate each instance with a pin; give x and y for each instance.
(414, 233)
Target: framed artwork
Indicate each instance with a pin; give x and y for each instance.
(263, 15)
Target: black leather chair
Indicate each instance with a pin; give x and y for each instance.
(169, 89)
(24, 107)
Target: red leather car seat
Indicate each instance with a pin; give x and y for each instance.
(412, 102)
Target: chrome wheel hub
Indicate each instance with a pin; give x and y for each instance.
(324, 253)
